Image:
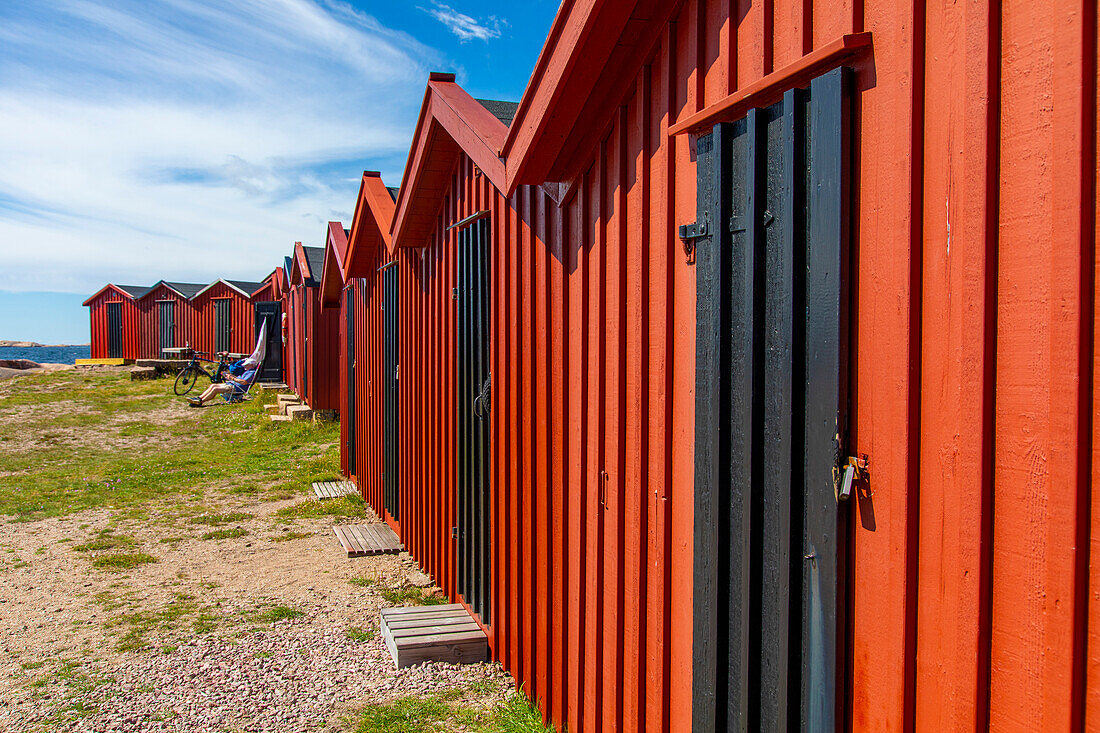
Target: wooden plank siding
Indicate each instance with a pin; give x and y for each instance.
(131, 323)
(183, 313)
(242, 336)
(973, 596)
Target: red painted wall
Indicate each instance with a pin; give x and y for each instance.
(974, 324)
(242, 316)
(131, 325)
(313, 339)
(150, 321)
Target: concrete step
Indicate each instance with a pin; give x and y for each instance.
(272, 409)
(325, 416)
(279, 418)
(299, 412)
(288, 397)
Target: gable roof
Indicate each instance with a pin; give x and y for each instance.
(307, 265)
(288, 265)
(567, 105)
(125, 291)
(369, 236)
(332, 274)
(503, 111)
(134, 291)
(243, 287)
(184, 290)
(451, 122)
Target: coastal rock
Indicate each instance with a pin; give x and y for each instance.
(20, 344)
(19, 364)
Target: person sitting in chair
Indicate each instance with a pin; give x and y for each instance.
(238, 378)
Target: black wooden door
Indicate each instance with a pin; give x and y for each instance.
(472, 413)
(166, 311)
(222, 324)
(114, 330)
(390, 383)
(771, 387)
(349, 355)
(270, 312)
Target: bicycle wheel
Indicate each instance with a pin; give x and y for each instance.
(185, 380)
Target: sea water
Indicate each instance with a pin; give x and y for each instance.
(47, 354)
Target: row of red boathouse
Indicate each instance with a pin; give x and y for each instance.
(740, 376)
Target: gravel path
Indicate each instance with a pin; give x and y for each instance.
(208, 658)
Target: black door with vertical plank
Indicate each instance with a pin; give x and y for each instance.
(271, 313)
(390, 384)
(349, 355)
(771, 390)
(114, 330)
(473, 410)
(222, 324)
(166, 312)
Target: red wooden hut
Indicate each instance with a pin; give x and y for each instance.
(115, 322)
(312, 335)
(353, 282)
(167, 317)
(724, 258)
(225, 317)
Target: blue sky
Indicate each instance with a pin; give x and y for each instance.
(196, 139)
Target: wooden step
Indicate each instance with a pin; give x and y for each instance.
(416, 634)
(359, 540)
(334, 489)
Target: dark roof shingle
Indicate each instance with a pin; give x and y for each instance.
(503, 111)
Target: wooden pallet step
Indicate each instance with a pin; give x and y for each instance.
(334, 489)
(359, 540)
(446, 633)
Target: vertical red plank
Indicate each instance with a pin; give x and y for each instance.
(574, 453)
(539, 481)
(515, 527)
(882, 624)
(633, 404)
(594, 667)
(681, 178)
(659, 298)
(956, 374)
(1040, 488)
(559, 679)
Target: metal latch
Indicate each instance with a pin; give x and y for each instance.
(454, 533)
(853, 469)
(690, 232)
(454, 293)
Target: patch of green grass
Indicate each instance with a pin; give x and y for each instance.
(288, 536)
(357, 634)
(272, 614)
(363, 582)
(216, 520)
(345, 506)
(195, 449)
(517, 714)
(264, 655)
(105, 541)
(413, 715)
(123, 561)
(32, 665)
(166, 618)
(411, 596)
(224, 534)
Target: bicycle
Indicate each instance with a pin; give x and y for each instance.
(185, 380)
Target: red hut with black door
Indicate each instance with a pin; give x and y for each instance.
(225, 317)
(167, 317)
(115, 322)
(313, 335)
(716, 355)
(354, 281)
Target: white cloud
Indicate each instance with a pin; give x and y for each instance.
(462, 25)
(188, 140)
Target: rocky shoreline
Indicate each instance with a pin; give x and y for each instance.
(17, 367)
(34, 345)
